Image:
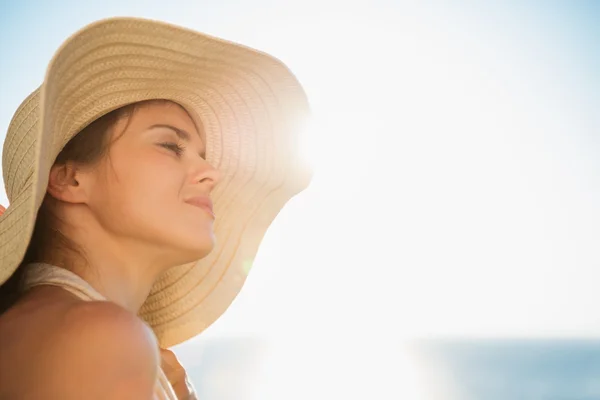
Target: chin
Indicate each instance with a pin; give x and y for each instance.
(198, 249)
(182, 256)
(188, 245)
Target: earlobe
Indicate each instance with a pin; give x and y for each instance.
(64, 185)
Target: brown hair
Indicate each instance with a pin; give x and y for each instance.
(88, 147)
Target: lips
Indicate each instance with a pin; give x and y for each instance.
(202, 202)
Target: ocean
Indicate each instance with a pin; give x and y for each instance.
(447, 370)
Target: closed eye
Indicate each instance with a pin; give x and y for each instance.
(174, 147)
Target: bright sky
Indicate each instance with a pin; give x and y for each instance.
(456, 156)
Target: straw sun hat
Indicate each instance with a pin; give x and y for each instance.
(252, 110)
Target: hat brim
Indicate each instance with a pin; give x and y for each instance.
(251, 108)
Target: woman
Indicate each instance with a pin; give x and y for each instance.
(142, 176)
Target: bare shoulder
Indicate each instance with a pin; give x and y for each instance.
(98, 350)
(100, 322)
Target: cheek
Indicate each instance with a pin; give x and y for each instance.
(144, 193)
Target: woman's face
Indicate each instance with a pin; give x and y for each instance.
(153, 187)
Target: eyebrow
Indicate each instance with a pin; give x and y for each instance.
(183, 135)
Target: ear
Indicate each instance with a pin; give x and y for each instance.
(66, 183)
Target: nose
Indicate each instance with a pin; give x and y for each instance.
(206, 174)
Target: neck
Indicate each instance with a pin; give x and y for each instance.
(122, 271)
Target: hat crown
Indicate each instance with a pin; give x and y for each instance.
(18, 154)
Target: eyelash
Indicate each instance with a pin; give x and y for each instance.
(174, 147)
